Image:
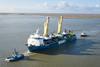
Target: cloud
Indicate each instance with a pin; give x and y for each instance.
(41, 5)
(7, 8)
(97, 5)
(61, 6)
(46, 5)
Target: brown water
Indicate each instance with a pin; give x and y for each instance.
(15, 29)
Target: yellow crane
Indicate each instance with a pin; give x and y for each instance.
(60, 25)
(46, 24)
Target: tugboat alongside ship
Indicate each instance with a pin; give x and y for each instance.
(15, 57)
(37, 42)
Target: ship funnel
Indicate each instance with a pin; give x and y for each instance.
(46, 27)
(60, 24)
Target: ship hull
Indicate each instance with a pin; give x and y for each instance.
(52, 45)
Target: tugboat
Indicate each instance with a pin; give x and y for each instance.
(15, 57)
(37, 42)
(83, 35)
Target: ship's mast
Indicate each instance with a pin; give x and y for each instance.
(60, 25)
(46, 27)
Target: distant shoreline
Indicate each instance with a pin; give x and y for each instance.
(65, 15)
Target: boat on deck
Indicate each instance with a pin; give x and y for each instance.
(37, 42)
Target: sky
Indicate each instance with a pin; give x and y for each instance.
(50, 6)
